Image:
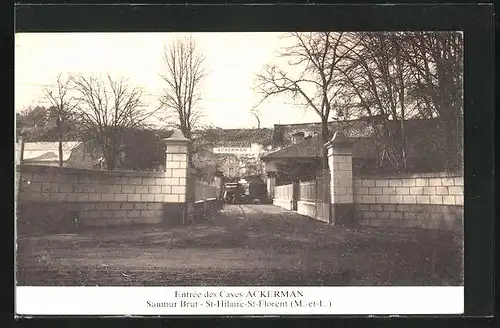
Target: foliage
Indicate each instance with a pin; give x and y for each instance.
(404, 75)
(183, 75)
(62, 110)
(388, 76)
(109, 107)
(315, 56)
(34, 123)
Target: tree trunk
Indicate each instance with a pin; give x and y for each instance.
(109, 156)
(325, 137)
(325, 170)
(258, 121)
(21, 156)
(59, 139)
(453, 152)
(110, 163)
(403, 143)
(60, 153)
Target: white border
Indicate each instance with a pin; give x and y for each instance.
(314, 300)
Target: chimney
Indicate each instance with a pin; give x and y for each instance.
(297, 137)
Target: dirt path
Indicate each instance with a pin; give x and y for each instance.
(243, 244)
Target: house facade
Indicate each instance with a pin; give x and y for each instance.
(47, 153)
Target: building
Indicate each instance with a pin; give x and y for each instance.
(234, 152)
(426, 143)
(47, 153)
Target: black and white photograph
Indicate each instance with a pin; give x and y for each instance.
(239, 159)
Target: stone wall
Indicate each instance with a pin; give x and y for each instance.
(59, 198)
(433, 201)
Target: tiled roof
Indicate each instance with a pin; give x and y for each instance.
(313, 148)
(233, 143)
(240, 137)
(309, 148)
(47, 151)
(360, 128)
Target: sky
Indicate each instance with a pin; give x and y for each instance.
(231, 60)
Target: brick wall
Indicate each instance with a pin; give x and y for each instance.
(433, 201)
(57, 197)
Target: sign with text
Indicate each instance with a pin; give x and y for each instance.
(232, 150)
(238, 300)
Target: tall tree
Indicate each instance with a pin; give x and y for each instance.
(395, 76)
(108, 108)
(183, 74)
(436, 61)
(31, 125)
(32, 122)
(309, 73)
(376, 77)
(63, 104)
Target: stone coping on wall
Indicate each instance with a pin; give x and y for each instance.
(307, 202)
(409, 175)
(77, 171)
(206, 200)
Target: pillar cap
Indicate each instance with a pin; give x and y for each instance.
(339, 140)
(177, 137)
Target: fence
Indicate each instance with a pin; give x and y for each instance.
(204, 191)
(312, 191)
(206, 201)
(283, 196)
(284, 192)
(311, 200)
(432, 200)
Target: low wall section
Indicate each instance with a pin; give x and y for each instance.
(433, 201)
(58, 199)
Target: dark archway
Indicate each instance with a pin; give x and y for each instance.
(256, 187)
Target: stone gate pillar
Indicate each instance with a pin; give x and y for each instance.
(271, 179)
(176, 175)
(339, 150)
(219, 181)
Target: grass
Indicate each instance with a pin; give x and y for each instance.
(243, 245)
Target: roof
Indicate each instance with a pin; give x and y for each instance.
(238, 137)
(359, 128)
(309, 148)
(232, 143)
(47, 151)
(313, 147)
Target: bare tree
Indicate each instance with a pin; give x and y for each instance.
(309, 74)
(256, 113)
(63, 106)
(396, 76)
(436, 62)
(108, 108)
(183, 73)
(376, 78)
